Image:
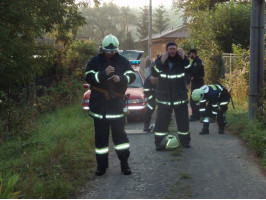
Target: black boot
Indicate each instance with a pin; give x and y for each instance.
(221, 131)
(125, 169)
(123, 157)
(100, 171)
(102, 164)
(205, 129)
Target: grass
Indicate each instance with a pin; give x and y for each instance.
(252, 132)
(56, 157)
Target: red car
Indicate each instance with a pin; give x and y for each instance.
(137, 100)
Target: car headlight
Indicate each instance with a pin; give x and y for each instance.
(132, 101)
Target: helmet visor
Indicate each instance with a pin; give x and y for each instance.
(110, 51)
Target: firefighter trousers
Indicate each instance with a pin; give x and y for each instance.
(163, 119)
(120, 140)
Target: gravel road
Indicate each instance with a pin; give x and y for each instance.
(216, 166)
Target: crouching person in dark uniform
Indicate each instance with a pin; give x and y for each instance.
(171, 94)
(150, 85)
(108, 73)
(214, 101)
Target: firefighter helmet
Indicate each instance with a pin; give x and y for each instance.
(169, 142)
(110, 44)
(197, 94)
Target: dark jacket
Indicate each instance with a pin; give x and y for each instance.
(150, 92)
(215, 96)
(197, 72)
(171, 86)
(96, 76)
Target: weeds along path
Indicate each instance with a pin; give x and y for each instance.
(216, 166)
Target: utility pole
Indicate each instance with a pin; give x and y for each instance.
(256, 69)
(150, 30)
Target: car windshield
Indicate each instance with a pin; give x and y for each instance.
(137, 83)
(131, 55)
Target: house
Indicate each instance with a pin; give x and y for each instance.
(159, 41)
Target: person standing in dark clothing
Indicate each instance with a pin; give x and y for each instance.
(171, 94)
(197, 81)
(150, 85)
(109, 74)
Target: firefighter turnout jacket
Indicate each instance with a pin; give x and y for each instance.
(107, 98)
(171, 86)
(216, 98)
(150, 92)
(197, 73)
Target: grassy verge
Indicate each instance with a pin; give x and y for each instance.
(252, 132)
(55, 158)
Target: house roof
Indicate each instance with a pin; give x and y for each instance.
(176, 32)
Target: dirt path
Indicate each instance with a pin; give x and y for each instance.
(216, 166)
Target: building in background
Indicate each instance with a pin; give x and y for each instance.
(177, 34)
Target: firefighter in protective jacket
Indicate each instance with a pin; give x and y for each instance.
(214, 101)
(197, 81)
(109, 73)
(171, 94)
(150, 85)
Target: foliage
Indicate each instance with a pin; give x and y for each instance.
(77, 56)
(252, 132)
(230, 23)
(192, 8)
(143, 22)
(56, 157)
(212, 33)
(22, 22)
(107, 19)
(7, 187)
(128, 42)
(237, 78)
(160, 20)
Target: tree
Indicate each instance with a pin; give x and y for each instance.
(128, 43)
(160, 20)
(109, 18)
(22, 57)
(143, 22)
(215, 31)
(192, 7)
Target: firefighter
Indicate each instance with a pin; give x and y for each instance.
(150, 85)
(171, 94)
(213, 100)
(197, 81)
(109, 73)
